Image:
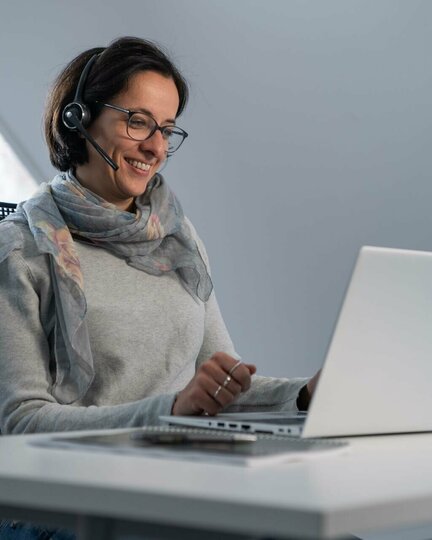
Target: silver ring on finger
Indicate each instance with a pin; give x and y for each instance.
(218, 389)
(235, 366)
(227, 381)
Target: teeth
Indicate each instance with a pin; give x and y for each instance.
(139, 164)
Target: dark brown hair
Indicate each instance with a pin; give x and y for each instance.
(108, 76)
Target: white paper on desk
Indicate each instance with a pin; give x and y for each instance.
(267, 449)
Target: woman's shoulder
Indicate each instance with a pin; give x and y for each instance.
(192, 228)
(17, 241)
(198, 240)
(19, 233)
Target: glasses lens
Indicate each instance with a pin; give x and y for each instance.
(175, 136)
(140, 126)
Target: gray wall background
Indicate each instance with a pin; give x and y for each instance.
(309, 128)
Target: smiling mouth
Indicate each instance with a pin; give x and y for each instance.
(138, 164)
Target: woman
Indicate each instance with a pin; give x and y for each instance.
(109, 317)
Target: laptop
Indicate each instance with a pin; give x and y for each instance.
(377, 371)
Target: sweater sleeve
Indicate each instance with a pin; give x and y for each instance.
(26, 403)
(265, 393)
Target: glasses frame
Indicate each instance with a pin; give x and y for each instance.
(156, 127)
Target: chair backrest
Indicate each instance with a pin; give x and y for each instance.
(6, 209)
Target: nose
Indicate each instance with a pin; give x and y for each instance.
(156, 144)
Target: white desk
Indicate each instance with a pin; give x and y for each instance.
(382, 482)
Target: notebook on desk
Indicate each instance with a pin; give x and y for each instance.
(377, 372)
(196, 445)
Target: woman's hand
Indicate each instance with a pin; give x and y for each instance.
(217, 383)
(306, 393)
(311, 385)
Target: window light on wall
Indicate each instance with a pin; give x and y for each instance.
(16, 182)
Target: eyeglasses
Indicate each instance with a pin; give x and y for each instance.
(141, 126)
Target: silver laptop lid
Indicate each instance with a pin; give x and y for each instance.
(376, 377)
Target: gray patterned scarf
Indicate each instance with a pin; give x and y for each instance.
(156, 240)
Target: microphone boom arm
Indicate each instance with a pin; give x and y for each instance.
(71, 117)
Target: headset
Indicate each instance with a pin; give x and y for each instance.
(76, 115)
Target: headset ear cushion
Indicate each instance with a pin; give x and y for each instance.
(79, 111)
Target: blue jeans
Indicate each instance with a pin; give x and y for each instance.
(11, 530)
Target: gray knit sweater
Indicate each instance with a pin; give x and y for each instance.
(147, 336)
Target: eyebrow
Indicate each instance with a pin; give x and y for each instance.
(142, 109)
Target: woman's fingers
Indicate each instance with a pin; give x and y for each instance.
(222, 365)
(222, 378)
(207, 403)
(216, 384)
(221, 395)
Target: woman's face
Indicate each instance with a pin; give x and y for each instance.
(150, 92)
